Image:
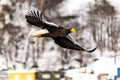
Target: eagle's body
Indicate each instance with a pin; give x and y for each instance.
(56, 33)
(59, 34)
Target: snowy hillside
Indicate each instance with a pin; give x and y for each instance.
(97, 24)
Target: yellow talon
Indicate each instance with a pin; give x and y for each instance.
(38, 35)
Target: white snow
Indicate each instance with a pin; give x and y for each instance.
(50, 61)
(76, 74)
(70, 7)
(3, 63)
(5, 2)
(6, 38)
(103, 65)
(115, 3)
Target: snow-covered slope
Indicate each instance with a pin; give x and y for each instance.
(18, 52)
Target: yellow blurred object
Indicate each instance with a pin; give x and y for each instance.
(18, 75)
(38, 35)
(118, 79)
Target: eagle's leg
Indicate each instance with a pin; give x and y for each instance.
(38, 35)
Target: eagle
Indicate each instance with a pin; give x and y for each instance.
(59, 34)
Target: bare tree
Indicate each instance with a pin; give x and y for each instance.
(104, 22)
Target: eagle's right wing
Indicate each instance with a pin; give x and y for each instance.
(72, 39)
(70, 43)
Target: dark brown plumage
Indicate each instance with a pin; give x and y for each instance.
(59, 34)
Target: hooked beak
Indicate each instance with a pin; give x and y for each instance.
(73, 30)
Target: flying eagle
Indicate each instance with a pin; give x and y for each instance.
(59, 34)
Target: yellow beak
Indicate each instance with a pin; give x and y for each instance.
(73, 30)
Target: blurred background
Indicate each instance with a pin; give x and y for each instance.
(97, 23)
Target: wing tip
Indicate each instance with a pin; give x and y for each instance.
(92, 50)
(33, 13)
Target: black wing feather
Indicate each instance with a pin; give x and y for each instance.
(65, 42)
(34, 18)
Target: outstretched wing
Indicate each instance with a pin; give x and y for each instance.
(72, 39)
(34, 18)
(69, 43)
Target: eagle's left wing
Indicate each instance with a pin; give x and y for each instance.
(34, 18)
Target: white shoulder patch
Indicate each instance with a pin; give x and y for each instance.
(72, 39)
(50, 23)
